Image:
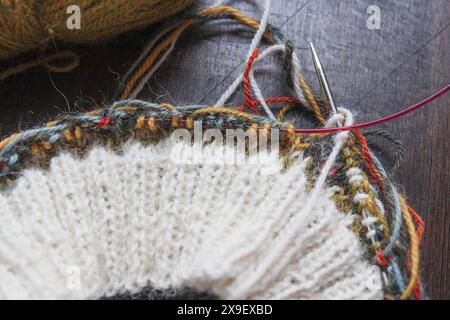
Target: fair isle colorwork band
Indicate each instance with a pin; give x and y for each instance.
(98, 193)
(144, 121)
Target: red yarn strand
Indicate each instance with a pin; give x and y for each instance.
(249, 102)
(370, 166)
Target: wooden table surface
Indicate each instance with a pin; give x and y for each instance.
(372, 72)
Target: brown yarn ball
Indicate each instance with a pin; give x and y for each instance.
(30, 24)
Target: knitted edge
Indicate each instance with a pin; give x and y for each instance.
(149, 122)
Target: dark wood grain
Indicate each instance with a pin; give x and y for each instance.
(373, 72)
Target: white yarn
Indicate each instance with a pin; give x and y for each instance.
(296, 79)
(282, 246)
(255, 86)
(255, 43)
(227, 94)
(262, 28)
(218, 3)
(257, 91)
(122, 222)
(355, 176)
(259, 95)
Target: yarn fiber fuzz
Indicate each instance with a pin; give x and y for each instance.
(29, 24)
(125, 221)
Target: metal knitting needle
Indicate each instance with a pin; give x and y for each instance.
(323, 81)
(325, 87)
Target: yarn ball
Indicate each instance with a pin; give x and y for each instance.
(30, 24)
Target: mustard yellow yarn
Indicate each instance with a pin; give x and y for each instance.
(30, 24)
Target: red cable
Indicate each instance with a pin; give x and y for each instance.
(252, 104)
(394, 116)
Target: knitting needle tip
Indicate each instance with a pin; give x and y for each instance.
(323, 79)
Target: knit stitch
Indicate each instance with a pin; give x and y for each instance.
(125, 221)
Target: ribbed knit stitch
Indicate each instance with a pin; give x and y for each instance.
(127, 220)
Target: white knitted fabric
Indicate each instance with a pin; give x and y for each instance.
(111, 223)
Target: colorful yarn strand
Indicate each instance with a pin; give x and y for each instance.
(387, 224)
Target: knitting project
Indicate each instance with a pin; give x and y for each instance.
(108, 204)
(31, 24)
(126, 221)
